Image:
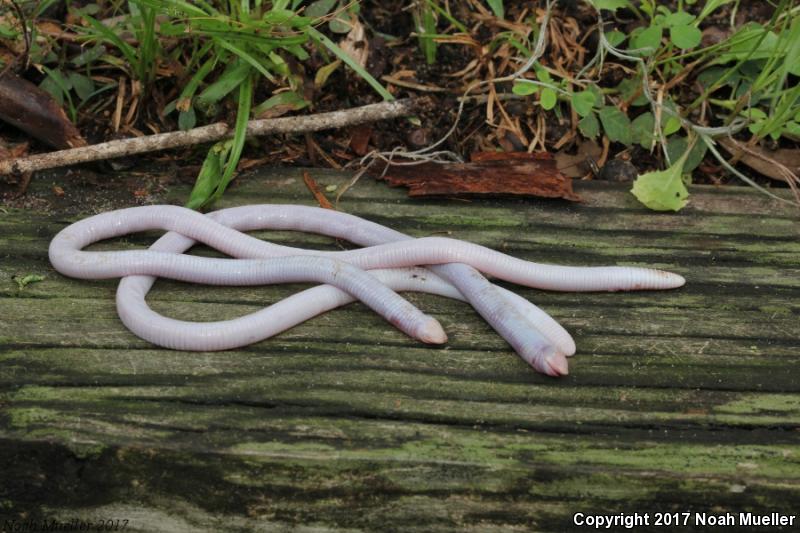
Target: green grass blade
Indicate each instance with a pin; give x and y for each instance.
(127, 50)
(240, 135)
(227, 82)
(497, 8)
(245, 56)
(350, 62)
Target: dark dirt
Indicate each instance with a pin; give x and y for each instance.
(394, 49)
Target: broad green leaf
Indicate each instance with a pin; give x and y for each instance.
(583, 102)
(756, 127)
(51, 87)
(522, 88)
(187, 119)
(599, 97)
(648, 40)
(631, 87)
(7, 32)
(83, 85)
(63, 82)
(754, 113)
(542, 74)
(642, 128)
(589, 126)
(616, 124)
(711, 75)
(679, 18)
(89, 56)
(56, 84)
(663, 190)
(340, 24)
(548, 98)
(743, 44)
(671, 125)
(676, 147)
(320, 8)
(685, 37)
(648, 8)
(792, 128)
(615, 37)
(669, 122)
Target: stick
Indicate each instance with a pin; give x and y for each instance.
(213, 132)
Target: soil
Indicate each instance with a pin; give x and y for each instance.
(395, 52)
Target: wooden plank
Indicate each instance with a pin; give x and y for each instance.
(686, 400)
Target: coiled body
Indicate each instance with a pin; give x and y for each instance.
(389, 261)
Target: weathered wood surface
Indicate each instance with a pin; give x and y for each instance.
(678, 401)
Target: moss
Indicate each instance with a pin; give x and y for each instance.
(34, 393)
(776, 462)
(461, 219)
(276, 448)
(784, 405)
(673, 398)
(25, 417)
(775, 310)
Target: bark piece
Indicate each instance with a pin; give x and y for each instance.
(359, 139)
(34, 111)
(488, 174)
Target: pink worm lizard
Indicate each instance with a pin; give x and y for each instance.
(539, 339)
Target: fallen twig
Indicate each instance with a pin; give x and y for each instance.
(210, 133)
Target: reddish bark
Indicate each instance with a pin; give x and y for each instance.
(359, 139)
(488, 174)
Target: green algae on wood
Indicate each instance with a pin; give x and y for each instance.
(683, 400)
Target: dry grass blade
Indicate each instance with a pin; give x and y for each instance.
(765, 164)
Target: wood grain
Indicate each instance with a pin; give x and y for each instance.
(686, 400)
